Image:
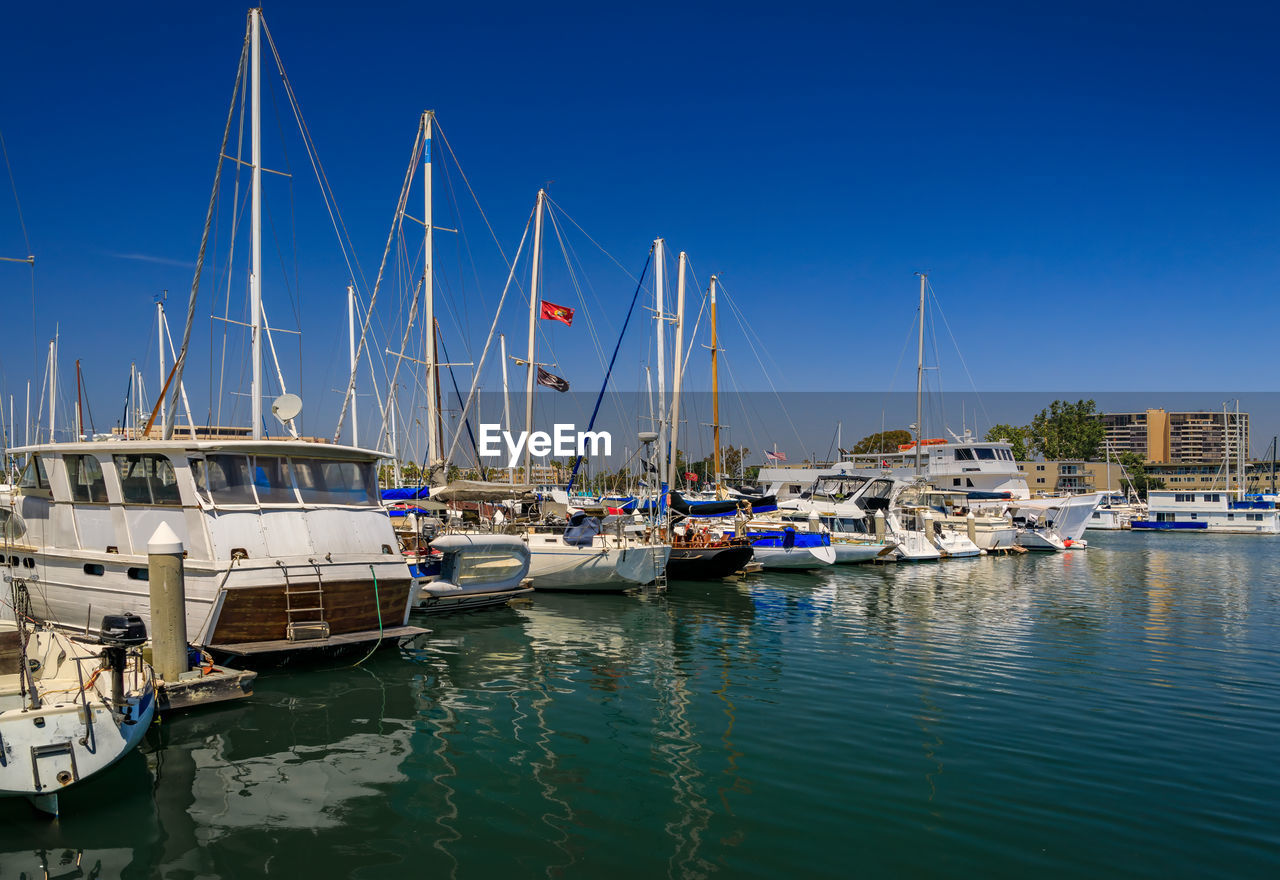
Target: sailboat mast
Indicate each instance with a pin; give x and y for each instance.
(715, 395)
(160, 347)
(53, 388)
(255, 226)
(1239, 453)
(351, 357)
(428, 292)
(80, 403)
(677, 370)
(920, 373)
(535, 273)
(659, 261)
(506, 399)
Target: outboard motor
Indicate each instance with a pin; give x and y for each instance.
(119, 633)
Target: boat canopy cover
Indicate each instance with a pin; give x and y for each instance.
(728, 507)
(406, 493)
(478, 490)
(979, 495)
(581, 530)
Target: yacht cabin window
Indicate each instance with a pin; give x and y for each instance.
(225, 478)
(985, 453)
(147, 479)
(265, 479)
(963, 453)
(336, 482)
(33, 475)
(84, 473)
(273, 478)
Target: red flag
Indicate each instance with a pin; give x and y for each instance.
(690, 476)
(553, 312)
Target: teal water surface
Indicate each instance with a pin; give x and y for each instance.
(1113, 712)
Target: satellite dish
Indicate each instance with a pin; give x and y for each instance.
(648, 436)
(286, 407)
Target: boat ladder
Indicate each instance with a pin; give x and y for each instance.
(659, 575)
(307, 602)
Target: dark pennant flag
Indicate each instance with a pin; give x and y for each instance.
(551, 380)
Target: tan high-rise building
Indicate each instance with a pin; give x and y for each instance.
(1160, 436)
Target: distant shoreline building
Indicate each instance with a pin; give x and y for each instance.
(1160, 436)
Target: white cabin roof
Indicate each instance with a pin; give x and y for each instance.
(179, 446)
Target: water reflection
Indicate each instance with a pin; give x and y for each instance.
(894, 718)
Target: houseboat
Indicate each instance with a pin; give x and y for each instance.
(1172, 510)
(287, 545)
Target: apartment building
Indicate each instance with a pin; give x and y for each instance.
(1160, 436)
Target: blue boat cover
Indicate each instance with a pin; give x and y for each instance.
(581, 530)
(406, 493)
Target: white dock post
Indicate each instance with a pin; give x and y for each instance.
(168, 604)
(971, 526)
(879, 520)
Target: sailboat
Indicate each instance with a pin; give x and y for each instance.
(702, 554)
(287, 546)
(587, 554)
(450, 572)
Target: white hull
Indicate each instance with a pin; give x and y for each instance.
(607, 565)
(1040, 540)
(431, 599)
(1069, 515)
(67, 594)
(794, 558)
(848, 552)
(957, 546)
(50, 748)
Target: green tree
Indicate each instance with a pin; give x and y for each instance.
(884, 441)
(1067, 431)
(1019, 437)
(1136, 474)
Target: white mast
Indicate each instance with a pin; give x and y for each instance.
(506, 399)
(1226, 450)
(648, 385)
(659, 258)
(428, 293)
(26, 433)
(1239, 453)
(678, 369)
(53, 387)
(182, 386)
(160, 336)
(131, 416)
(920, 373)
(535, 273)
(255, 228)
(351, 356)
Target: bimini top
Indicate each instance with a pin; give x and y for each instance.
(283, 446)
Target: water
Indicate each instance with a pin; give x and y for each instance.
(1112, 712)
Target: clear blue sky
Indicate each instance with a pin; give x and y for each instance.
(1093, 187)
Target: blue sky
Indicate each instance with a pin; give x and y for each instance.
(1092, 187)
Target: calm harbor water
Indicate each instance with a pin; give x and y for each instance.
(1110, 712)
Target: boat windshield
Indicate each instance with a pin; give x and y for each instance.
(838, 488)
(147, 479)
(270, 479)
